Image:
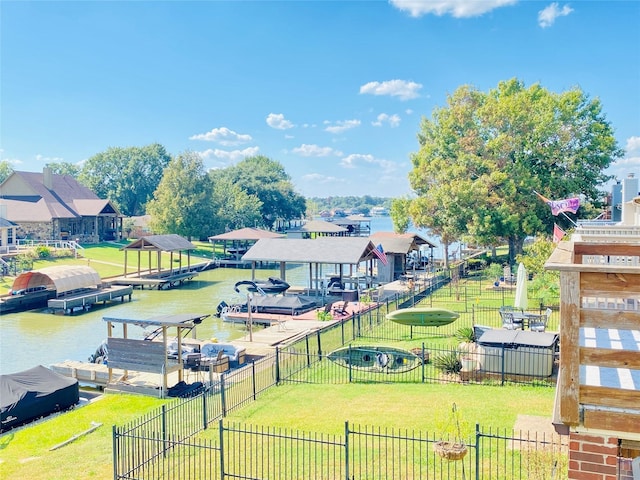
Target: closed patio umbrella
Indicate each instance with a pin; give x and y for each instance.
(521, 300)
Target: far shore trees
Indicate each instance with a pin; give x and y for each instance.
(483, 155)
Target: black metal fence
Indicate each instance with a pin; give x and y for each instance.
(242, 451)
(163, 444)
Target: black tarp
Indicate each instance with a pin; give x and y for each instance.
(34, 393)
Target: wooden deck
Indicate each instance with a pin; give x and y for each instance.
(85, 300)
(160, 281)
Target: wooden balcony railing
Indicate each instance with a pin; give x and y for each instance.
(599, 379)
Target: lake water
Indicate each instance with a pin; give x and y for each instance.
(38, 337)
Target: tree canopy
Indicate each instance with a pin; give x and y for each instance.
(267, 180)
(182, 202)
(64, 168)
(126, 176)
(483, 155)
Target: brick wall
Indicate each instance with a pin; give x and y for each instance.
(595, 457)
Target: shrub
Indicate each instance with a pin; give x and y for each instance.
(323, 316)
(466, 334)
(42, 251)
(448, 362)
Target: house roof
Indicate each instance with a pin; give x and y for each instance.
(4, 223)
(165, 243)
(399, 242)
(29, 200)
(249, 233)
(319, 226)
(337, 250)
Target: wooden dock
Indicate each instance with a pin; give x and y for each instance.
(97, 375)
(86, 299)
(160, 281)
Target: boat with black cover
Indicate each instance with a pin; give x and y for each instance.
(271, 285)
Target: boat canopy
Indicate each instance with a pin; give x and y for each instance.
(62, 278)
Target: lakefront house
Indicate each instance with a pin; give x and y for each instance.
(48, 206)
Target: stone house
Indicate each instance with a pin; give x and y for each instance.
(48, 206)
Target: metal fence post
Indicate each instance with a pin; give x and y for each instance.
(477, 452)
(253, 379)
(221, 442)
(204, 409)
(346, 450)
(502, 361)
(423, 363)
(277, 365)
(223, 399)
(164, 430)
(114, 431)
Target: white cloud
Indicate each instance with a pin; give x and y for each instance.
(392, 120)
(12, 161)
(319, 178)
(341, 126)
(455, 8)
(43, 159)
(633, 145)
(623, 167)
(356, 159)
(394, 88)
(316, 151)
(228, 156)
(223, 136)
(277, 121)
(548, 15)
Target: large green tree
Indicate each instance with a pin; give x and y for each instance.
(182, 202)
(126, 176)
(268, 181)
(65, 168)
(233, 207)
(400, 214)
(483, 155)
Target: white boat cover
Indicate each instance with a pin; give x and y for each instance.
(64, 278)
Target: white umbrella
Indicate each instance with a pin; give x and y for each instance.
(521, 300)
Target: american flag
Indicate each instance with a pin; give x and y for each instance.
(379, 252)
(558, 233)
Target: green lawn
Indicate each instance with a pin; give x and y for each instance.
(25, 453)
(426, 407)
(311, 408)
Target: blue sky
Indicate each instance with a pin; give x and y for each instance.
(333, 90)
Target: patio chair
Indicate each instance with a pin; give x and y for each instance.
(341, 309)
(510, 322)
(192, 363)
(540, 324)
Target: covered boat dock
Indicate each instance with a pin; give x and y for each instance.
(67, 287)
(337, 251)
(154, 275)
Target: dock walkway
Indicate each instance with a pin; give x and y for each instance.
(85, 300)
